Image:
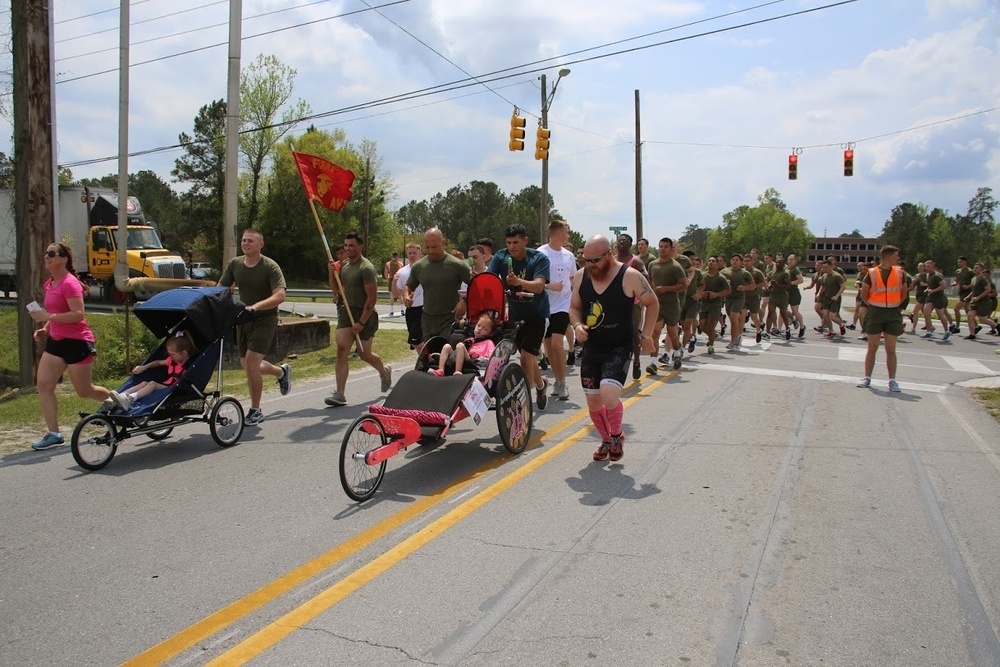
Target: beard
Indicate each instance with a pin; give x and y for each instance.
(599, 270)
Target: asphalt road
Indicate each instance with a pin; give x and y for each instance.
(767, 512)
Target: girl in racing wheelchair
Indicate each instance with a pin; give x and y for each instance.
(479, 347)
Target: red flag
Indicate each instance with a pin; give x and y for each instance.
(325, 183)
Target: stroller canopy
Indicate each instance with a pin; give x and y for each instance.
(208, 313)
(486, 293)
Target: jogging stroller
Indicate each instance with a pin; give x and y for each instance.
(207, 314)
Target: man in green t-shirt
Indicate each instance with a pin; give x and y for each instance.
(936, 299)
(780, 284)
(691, 305)
(795, 295)
(360, 292)
(741, 282)
(755, 306)
(715, 289)
(963, 278)
(669, 281)
(919, 287)
(262, 289)
(834, 284)
(442, 276)
(980, 301)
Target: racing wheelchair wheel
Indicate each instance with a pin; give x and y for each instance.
(360, 480)
(94, 442)
(514, 408)
(162, 434)
(226, 422)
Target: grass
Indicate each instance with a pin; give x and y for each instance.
(990, 398)
(22, 419)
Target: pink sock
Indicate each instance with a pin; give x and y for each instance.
(615, 419)
(600, 419)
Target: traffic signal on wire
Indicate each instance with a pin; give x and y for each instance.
(517, 125)
(542, 143)
(849, 162)
(793, 167)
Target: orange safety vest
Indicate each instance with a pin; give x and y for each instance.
(882, 295)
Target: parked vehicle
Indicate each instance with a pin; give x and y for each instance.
(87, 220)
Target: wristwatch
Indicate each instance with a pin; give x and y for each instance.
(643, 336)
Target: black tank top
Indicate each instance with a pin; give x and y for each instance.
(608, 315)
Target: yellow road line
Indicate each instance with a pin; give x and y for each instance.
(284, 626)
(212, 624)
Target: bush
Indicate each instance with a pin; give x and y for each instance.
(109, 331)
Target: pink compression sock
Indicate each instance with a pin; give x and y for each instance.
(600, 419)
(615, 419)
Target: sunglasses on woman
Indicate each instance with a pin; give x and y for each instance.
(53, 253)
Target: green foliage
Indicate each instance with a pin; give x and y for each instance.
(768, 226)
(109, 332)
(695, 239)
(111, 366)
(922, 234)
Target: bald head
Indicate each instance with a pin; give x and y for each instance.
(434, 244)
(596, 245)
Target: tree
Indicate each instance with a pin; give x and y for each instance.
(908, 228)
(695, 239)
(856, 234)
(265, 87)
(6, 171)
(203, 167)
(768, 226)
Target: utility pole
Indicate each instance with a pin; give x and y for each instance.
(35, 171)
(542, 151)
(368, 168)
(543, 233)
(638, 171)
(232, 133)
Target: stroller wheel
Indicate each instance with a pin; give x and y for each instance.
(94, 442)
(226, 422)
(162, 434)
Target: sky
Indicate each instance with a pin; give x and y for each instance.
(913, 84)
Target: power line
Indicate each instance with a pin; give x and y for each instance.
(103, 11)
(828, 145)
(438, 53)
(465, 83)
(149, 20)
(212, 46)
(190, 30)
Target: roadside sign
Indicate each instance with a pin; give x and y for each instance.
(618, 230)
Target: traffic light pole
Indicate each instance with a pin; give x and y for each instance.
(543, 232)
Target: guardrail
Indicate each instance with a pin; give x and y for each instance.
(324, 294)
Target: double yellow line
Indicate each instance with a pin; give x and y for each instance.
(277, 630)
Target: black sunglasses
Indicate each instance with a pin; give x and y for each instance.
(53, 253)
(594, 260)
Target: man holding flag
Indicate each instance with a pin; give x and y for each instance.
(356, 316)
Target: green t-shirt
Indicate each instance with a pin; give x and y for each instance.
(793, 274)
(256, 282)
(737, 278)
(760, 279)
(934, 281)
(665, 274)
(980, 285)
(877, 315)
(963, 278)
(781, 281)
(696, 279)
(684, 262)
(831, 284)
(355, 276)
(441, 281)
(714, 284)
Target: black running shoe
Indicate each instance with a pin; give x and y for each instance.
(636, 372)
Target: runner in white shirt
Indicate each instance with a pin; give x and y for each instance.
(414, 332)
(562, 268)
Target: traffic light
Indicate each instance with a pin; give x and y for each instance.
(849, 162)
(542, 143)
(793, 167)
(516, 132)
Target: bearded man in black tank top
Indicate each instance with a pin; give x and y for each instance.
(604, 292)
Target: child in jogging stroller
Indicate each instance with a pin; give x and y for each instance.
(478, 347)
(180, 350)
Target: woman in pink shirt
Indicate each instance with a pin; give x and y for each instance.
(69, 342)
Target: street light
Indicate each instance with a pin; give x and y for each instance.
(547, 98)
